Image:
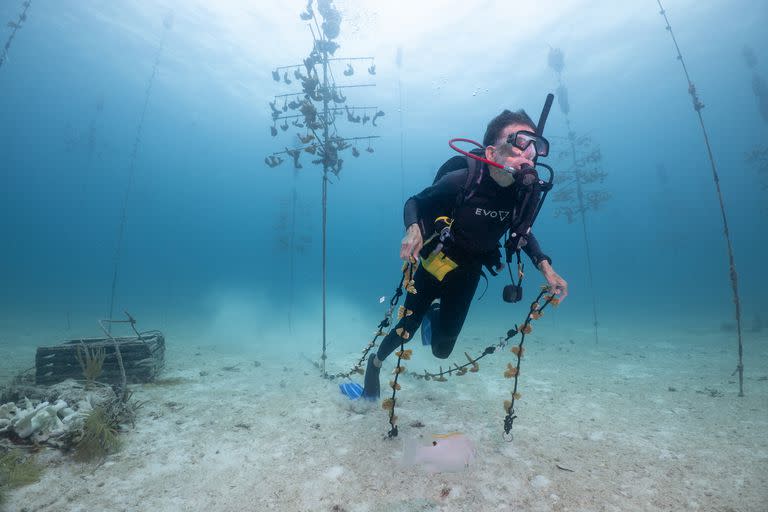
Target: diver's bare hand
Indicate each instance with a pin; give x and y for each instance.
(557, 285)
(411, 244)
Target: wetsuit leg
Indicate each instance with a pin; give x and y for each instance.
(428, 289)
(457, 291)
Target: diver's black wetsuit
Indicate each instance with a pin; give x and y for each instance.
(480, 220)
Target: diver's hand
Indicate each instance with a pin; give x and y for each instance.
(411, 244)
(557, 284)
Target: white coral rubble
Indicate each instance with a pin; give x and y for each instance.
(37, 422)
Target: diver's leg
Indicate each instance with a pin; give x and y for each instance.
(427, 288)
(371, 385)
(457, 294)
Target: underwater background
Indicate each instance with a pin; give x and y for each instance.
(201, 237)
(203, 209)
(133, 136)
(203, 255)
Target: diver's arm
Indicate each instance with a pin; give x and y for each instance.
(411, 244)
(440, 197)
(545, 267)
(411, 213)
(534, 252)
(557, 285)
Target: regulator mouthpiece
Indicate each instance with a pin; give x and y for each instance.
(525, 176)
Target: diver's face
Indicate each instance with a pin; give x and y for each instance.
(507, 155)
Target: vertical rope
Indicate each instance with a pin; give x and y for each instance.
(16, 27)
(402, 142)
(582, 211)
(123, 395)
(291, 256)
(326, 147)
(698, 106)
(132, 172)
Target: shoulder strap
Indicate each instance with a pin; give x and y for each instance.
(474, 176)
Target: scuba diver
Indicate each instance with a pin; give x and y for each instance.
(454, 228)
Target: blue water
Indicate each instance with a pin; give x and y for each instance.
(132, 144)
(202, 218)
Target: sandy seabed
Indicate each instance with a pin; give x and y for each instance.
(646, 424)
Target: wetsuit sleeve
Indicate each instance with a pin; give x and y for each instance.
(440, 197)
(533, 250)
(411, 212)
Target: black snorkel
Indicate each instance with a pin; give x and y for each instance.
(544, 114)
(546, 186)
(537, 192)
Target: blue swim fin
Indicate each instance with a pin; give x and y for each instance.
(351, 390)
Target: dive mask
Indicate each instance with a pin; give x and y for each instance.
(524, 138)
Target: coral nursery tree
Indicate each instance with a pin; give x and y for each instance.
(314, 109)
(578, 191)
(757, 157)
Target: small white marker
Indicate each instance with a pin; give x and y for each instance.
(382, 299)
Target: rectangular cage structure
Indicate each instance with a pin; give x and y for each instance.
(143, 359)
